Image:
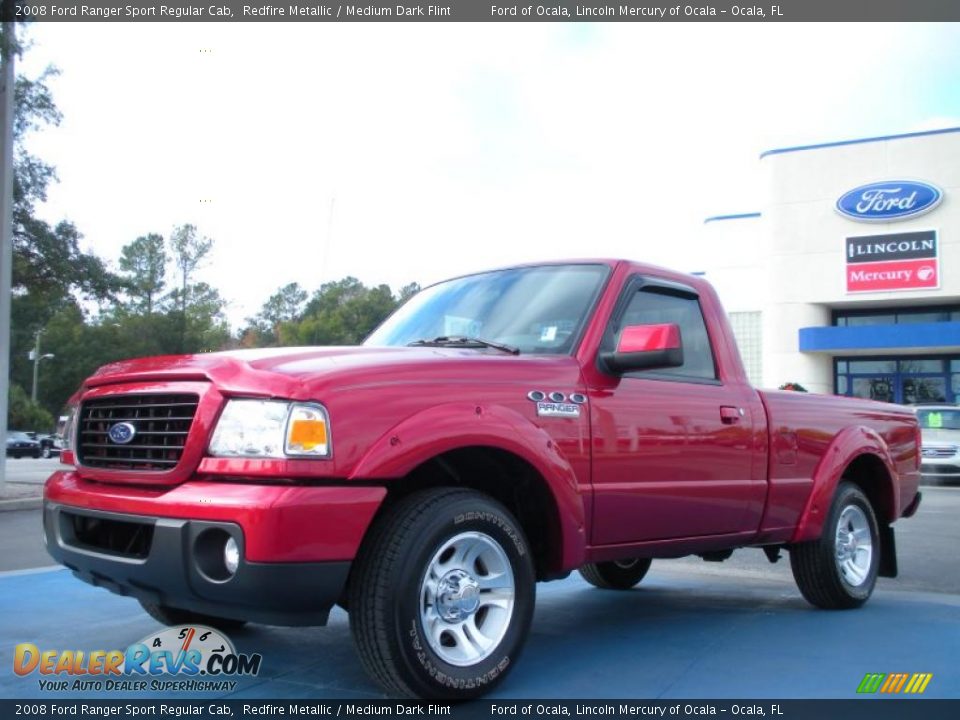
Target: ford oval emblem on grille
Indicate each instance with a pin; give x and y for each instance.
(122, 433)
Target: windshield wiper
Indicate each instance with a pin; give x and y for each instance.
(464, 341)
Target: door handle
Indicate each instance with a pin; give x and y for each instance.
(730, 415)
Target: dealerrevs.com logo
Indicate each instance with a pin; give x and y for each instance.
(198, 657)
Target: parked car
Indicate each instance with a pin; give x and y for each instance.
(940, 445)
(499, 429)
(50, 445)
(19, 444)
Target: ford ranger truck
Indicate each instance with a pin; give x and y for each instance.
(498, 430)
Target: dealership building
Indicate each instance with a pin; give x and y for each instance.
(846, 278)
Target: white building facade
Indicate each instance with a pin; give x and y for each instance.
(847, 278)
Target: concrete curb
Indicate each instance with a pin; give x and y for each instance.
(25, 503)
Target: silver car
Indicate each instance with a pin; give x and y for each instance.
(940, 451)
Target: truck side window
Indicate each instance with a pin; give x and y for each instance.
(653, 305)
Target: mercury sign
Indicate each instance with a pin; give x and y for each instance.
(906, 261)
(889, 200)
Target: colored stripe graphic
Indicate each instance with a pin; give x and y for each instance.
(918, 683)
(894, 683)
(871, 682)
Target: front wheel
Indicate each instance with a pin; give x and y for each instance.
(442, 595)
(839, 570)
(616, 575)
(46, 452)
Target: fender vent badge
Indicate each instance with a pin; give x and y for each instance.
(558, 409)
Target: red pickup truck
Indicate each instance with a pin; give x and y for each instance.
(499, 429)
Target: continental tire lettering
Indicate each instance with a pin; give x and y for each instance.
(441, 677)
(493, 519)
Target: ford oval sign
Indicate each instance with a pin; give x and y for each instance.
(121, 433)
(889, 200)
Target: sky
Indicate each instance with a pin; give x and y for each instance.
(413, 152)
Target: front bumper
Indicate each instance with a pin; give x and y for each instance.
(296, 544)
(940, 470)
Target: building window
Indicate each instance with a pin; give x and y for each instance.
(747, 331)
(907, 380)
(900, 316)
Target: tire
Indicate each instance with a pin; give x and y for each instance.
(829, 572)
(438, 572)
(616, 575)
(166, 615)
(36, 454)
(46, 452)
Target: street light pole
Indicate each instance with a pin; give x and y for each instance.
(37, 357)
(7, 54)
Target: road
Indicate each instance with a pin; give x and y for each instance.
(737, 629)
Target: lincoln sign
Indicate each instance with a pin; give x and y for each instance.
(906, 261)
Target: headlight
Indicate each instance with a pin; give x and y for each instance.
(271, 429)
(68, 431)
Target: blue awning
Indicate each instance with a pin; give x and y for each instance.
(932, 337)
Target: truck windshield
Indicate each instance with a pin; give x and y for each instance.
(537, 310)
(946, 419)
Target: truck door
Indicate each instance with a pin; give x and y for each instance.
(672, 448)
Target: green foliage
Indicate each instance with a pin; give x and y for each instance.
(279, 311)
(22, 414)
(344, 313)
(51, 272)
(339, 313)
(144, 262)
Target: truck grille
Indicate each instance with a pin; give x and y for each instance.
(159, 425)
(938, 452)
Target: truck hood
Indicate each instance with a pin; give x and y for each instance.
(297, 372)
(937, 436)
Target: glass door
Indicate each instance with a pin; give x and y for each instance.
(900, 380)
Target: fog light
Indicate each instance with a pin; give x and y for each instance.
(231, 556)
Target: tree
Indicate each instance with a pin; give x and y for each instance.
(284, 306)
(47, 260)
(22, 414)
(189, 252)
(343, 313)
(407, 292)
(51, 273)
(145, 263)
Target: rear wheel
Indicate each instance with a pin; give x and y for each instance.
(442, 595)
(839, 570)
(46, 452)
(166, 615)
(616, 575)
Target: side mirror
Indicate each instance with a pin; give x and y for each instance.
(646, 347)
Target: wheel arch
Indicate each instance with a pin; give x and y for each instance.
(493, 450)
(858, 455)
(507, 478)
